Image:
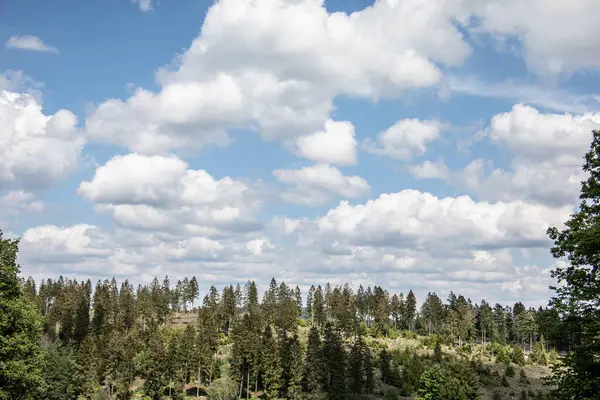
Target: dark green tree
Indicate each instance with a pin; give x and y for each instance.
(60, 372)
(313, 363)
(579, 295)
(20, 331)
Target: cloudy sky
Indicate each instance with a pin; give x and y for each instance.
(414, 144)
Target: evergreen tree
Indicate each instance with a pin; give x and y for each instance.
(313, 363)
(579, 295)
(335, 363)
(60, 373)
(20, 331)
(193, 290)
(154, 372)
(270, 364)
(410, 310)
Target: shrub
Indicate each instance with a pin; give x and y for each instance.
(509, 371)
(496, 395)
(391, 394)
(523, 395)
(523, 377)
(539, 355)
(505, 381)
(553, 356)
(518, 357)
(409, 334)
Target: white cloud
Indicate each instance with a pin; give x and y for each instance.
(19, 201)
(35, 149)
(275, 66)
(405, 139)
(314, 185)
(145, 5)
(547, 50)
(160, 193)
(430, 170)
(28, 42)
(334, 145)
(547, 155)
(414, 219)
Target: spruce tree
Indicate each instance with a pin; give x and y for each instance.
(335, 363)
(313, 363)
(271, 365)
(20, 331)
(578, 298)
(154, 372)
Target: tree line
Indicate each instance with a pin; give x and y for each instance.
(64, 339)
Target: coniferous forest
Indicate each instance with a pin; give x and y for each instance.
(67, 339)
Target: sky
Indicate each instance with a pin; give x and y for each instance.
(411, 144)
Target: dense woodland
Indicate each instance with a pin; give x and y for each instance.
(64, 339)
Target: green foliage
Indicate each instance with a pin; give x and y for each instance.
(222, 389)
(59, 373)
(518, 356)
(504, 381)
(454, 383)
(523, 377)
(20, 330)
(539, 355)
(509, 371)
(578, 296)
(496, 395)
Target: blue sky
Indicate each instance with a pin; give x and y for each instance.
(414, 144)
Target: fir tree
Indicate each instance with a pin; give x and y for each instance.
(20, 331)
(313, 363)
(270, 364)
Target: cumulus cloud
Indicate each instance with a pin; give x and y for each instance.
(275, 66)
(547, 154)
(161, 193)
(336, 144)
(405, 139)
(28, 42)
(413, 218)
(315, 185)
(19, 201)
(547, 50)
(35, 149)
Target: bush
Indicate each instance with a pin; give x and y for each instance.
(509, 371)
(553, 356)
(496, 395)
(539, 355)
(505, 381)
(391, 394)
(523, 377)
(393, 333)
(518, 357)
(409, 334)
(523, 395)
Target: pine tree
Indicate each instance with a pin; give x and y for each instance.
(86, 363)
(193, 290)
(579, 296)
(410, 309)
(335, 363)
(313, 363)
(154, 372)
(270, 363)
(293, 369)
(59, 373)
(20, 331)
(357, 367)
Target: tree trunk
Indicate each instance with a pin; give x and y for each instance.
(198, 384)
(241, 385)
(248, 385)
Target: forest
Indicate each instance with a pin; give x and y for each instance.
(67, 339)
